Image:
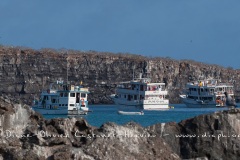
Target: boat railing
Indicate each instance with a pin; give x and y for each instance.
(209, 83)
(50, 91)
(200, 94)
(156, 92)
(227, 83)
(222, 92)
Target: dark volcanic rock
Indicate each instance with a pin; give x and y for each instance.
(26, 135)
(24, 73)
(130, 141)
(33, 137)
(214, 136)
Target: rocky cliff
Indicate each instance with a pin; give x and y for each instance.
(25, 72)
(26, 135)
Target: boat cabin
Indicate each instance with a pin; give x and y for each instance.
(140, 90)
(74, 98)
(69, 96)
(209, 91)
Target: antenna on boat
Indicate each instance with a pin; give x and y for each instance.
(67, 67)
(148, 69)
(133, 72)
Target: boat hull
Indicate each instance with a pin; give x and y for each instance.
(43, 111)
(145, 104)
(77, 112)
(194, 104)
(155, 104)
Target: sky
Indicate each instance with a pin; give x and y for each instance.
(207, 31)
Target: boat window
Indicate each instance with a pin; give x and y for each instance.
(53, 100)
(201, 89)
(61, 94)
(78, 97)
(194, 89)
(144, 88)
(125, 96)
(207, 98)
(206, 90)
(71, 104)
(83, 94)
(135, 97)
(66, 105)
(65, 94)
(133, 87)
(72, 94)
(129, 98)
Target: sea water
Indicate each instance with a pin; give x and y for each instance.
(109, 113)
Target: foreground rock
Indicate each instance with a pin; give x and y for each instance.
(26, 135)
(214, 136)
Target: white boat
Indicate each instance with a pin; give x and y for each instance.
(130, 113)
(141, 93)
(206, 93)
(62, 99)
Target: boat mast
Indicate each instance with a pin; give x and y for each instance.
(133, 73)
(67, 67)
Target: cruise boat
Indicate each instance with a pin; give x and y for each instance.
(62, 99)
(206, 93)
(141, 93)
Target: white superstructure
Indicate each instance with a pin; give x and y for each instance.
(206, 93)
(142, 93)
(64, 99)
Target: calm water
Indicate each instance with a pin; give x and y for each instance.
(108, 113)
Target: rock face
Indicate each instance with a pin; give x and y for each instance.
(24, 73)
(214, 136)
(32, 137)
(26, 135)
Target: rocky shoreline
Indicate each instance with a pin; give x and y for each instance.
(27, 135)
(25, 72)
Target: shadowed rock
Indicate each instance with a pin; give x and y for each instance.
(211, 136)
